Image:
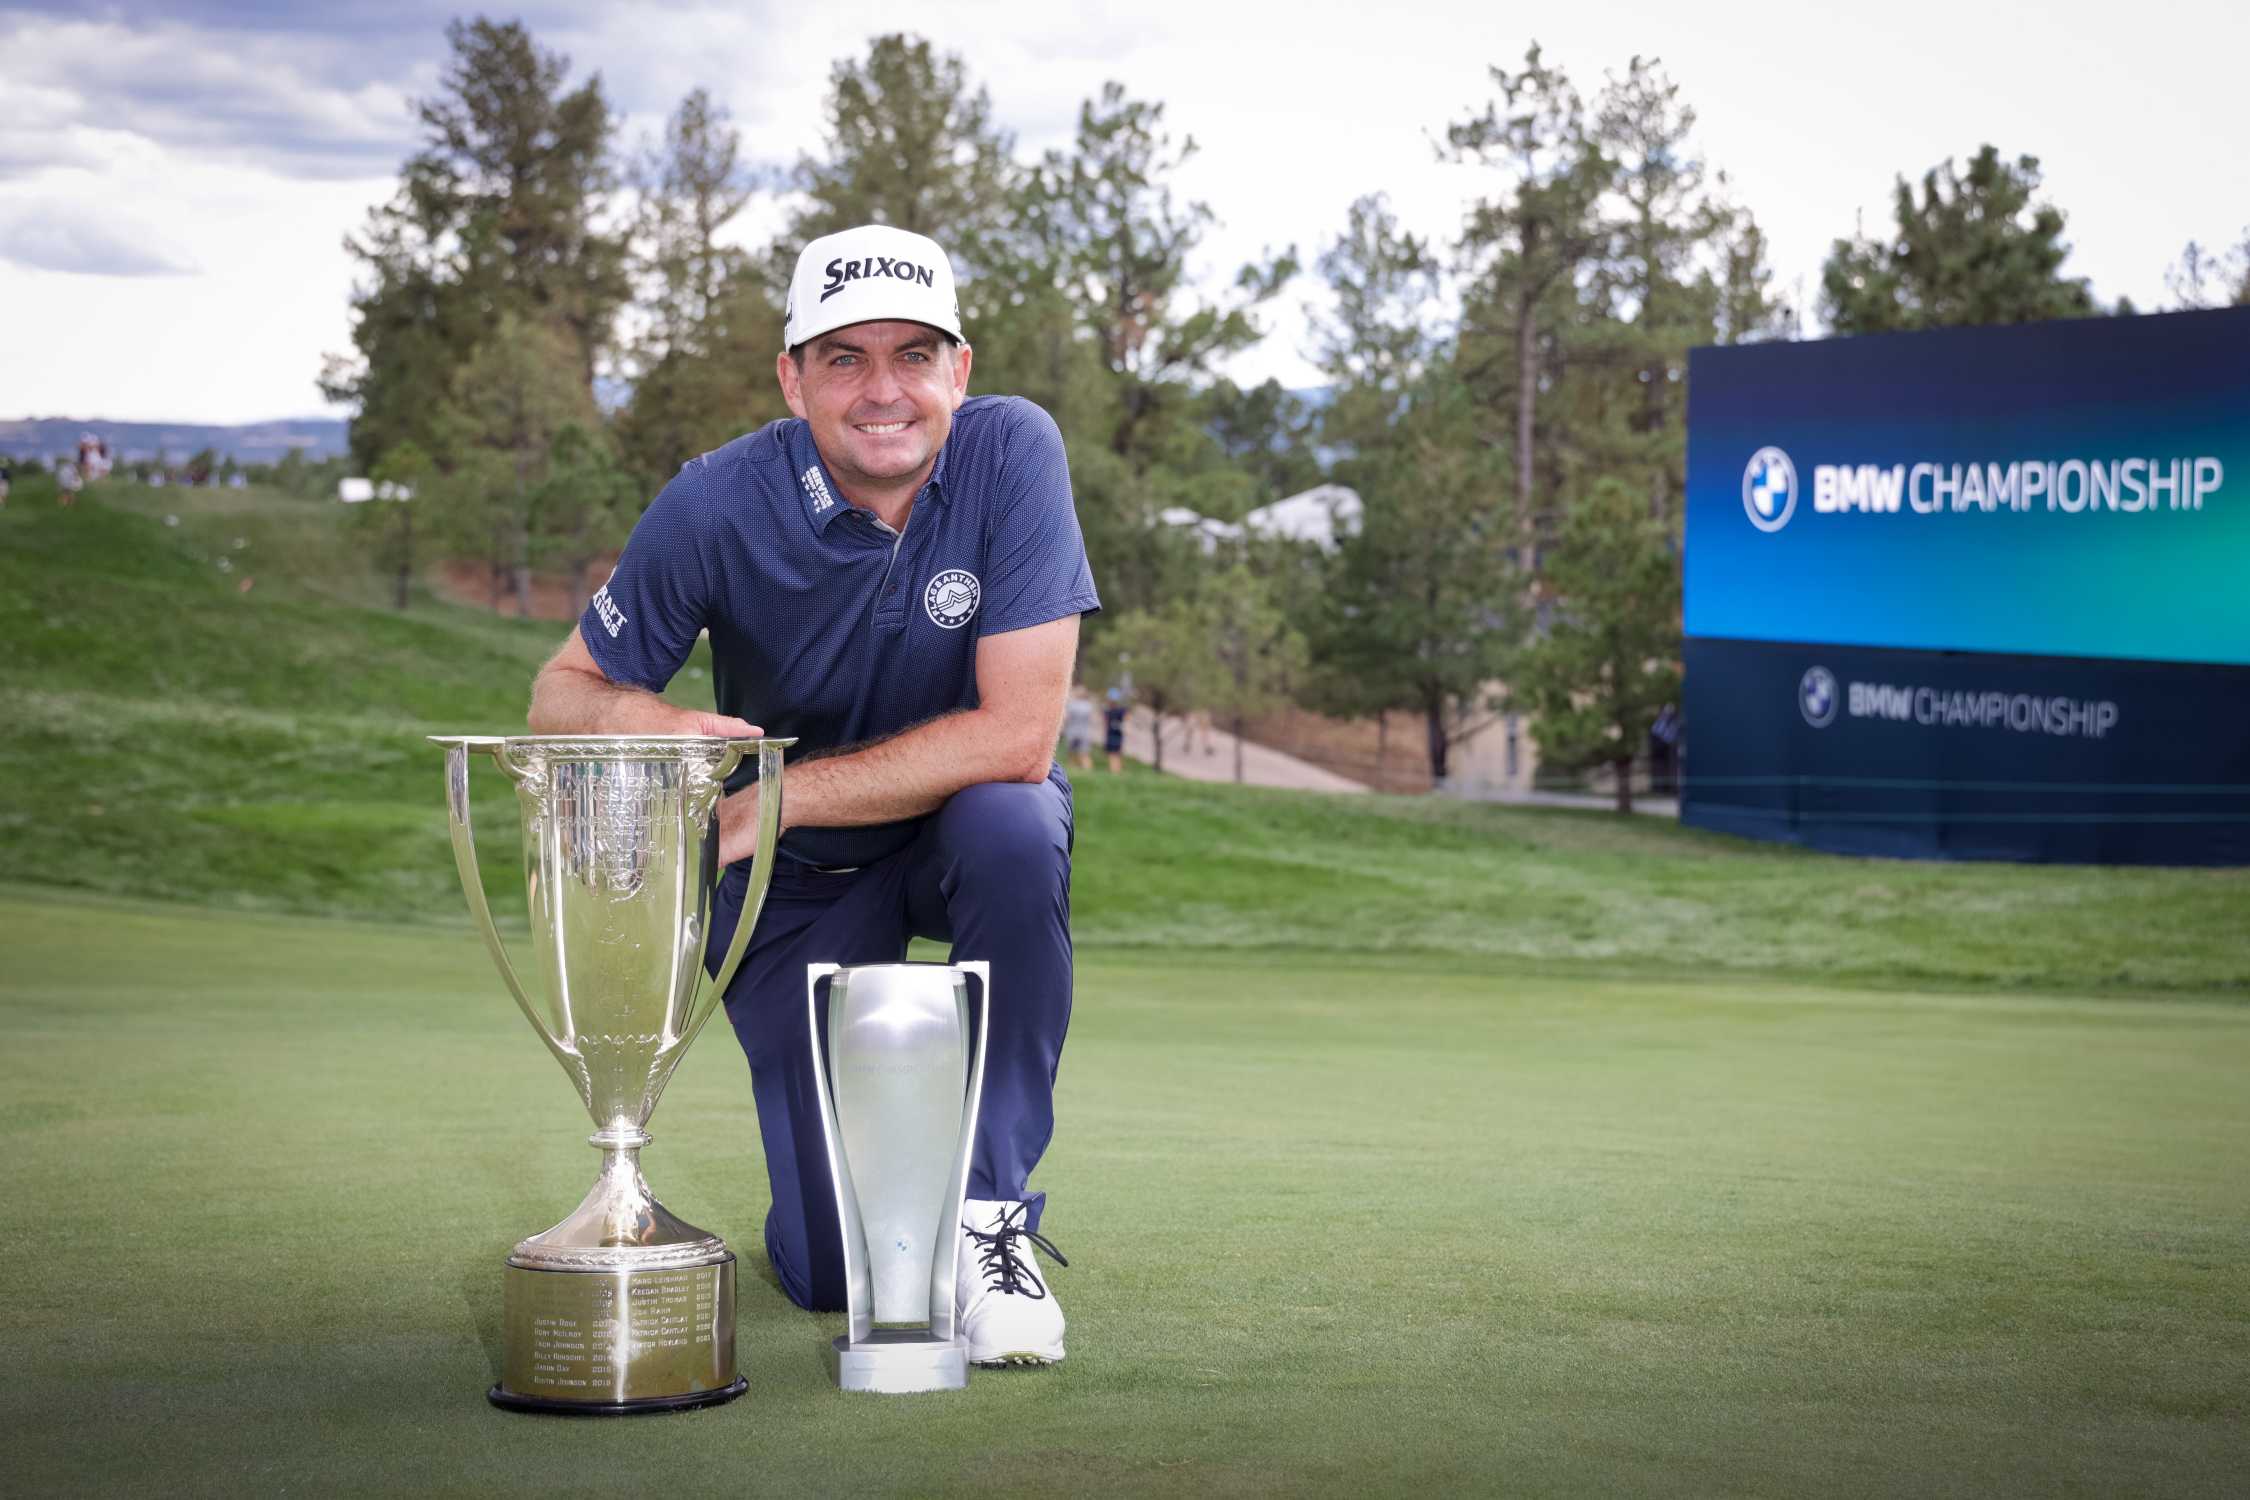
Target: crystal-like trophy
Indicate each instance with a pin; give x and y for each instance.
(898, 1061)
(621, 1307)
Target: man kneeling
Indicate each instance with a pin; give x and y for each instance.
(894, 578)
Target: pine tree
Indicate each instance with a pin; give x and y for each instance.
(497, 214)
(712, 326)
(1974, 248)
(1421, 607)
(1607, 662)
(1526, 247)
(1106, 228)
(912, 144)
(2203, 278)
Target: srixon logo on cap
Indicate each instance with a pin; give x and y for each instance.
(842, 272)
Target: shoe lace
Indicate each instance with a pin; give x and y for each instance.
(1004, 1270)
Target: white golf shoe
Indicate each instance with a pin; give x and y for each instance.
(1007, 1314)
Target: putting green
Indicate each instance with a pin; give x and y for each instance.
(1378, 1230)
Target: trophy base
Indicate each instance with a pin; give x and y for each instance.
(898, 1363)
(501, 1396)
(614, 1341)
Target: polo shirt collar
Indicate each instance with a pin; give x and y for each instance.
(823, 501)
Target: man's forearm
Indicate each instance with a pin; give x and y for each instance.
(912, 773)
(902, 777)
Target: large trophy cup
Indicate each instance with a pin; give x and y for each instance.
(899, 1066)
(621, 1307)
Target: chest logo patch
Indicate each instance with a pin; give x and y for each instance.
(951, 599)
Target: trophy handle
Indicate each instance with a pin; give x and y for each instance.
(457, 748)
(943, 1263)
(859, 1291)
(710, 987)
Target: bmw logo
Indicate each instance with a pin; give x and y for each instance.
(1769, 489)
(1816, 696)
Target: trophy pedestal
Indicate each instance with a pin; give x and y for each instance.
(899, 1362)
(898, 1063)
(616, 1342)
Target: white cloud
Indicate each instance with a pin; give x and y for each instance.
(303, 106)
(57, 234)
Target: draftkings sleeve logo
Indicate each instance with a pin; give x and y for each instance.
(606, 610)
(951, 599)
(1769, 489)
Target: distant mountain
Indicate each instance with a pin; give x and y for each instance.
(257, 443)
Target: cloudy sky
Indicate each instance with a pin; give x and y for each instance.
(176, 179)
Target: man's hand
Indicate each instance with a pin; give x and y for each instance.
(738, 825)
(719, 726)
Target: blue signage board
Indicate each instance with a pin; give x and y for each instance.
(1974, 593)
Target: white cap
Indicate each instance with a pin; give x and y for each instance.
(869, 274)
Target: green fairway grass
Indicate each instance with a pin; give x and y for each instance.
(1335, 1228)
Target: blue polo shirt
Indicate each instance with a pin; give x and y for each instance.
(827, 626)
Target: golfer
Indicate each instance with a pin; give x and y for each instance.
(894, 578)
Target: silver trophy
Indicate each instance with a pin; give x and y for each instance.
(899, 1065)
(621, 1307)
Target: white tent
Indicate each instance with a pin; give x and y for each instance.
(1322, 515)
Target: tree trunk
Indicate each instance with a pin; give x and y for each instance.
(1624, 769)
(1156, 730)
(1433, 717)
(580, 595)
(519, 568)
(405, 559)
(1238, 749)
(1527, 394)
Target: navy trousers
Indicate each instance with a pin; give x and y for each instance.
(989, 873)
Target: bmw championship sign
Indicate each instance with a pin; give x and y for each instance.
(1975, 592)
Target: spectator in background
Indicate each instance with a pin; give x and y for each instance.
(1078, 726)
(6, 474)
(1113, 730)
(67, 481)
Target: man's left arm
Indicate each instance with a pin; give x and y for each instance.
(1023, 678)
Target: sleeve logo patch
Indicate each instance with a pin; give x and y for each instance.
(612, 618)
(951, 599)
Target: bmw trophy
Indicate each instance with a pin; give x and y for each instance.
(621, 1307)
(899, 1067)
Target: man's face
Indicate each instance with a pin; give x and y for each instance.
(880, 398)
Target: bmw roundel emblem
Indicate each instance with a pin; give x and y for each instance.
(1769, 489)
(951, 599)
(1816, 696)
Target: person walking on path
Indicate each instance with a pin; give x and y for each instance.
(1113, 729)
(894, 577)
(1078, 727)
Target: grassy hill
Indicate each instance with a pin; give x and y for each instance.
(174, 737)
